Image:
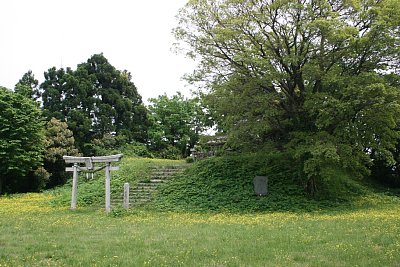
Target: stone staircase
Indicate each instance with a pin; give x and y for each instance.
(144, 190)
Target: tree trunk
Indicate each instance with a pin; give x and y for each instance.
(1, 185)
(311, 186)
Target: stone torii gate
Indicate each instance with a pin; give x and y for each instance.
(89, 167)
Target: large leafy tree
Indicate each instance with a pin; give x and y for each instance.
(113, 98)
(21, 140)
(176, 122)
(95, 99)
(307, 75)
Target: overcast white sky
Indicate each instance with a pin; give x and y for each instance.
(133, 34)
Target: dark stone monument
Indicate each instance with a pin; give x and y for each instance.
(260, 185)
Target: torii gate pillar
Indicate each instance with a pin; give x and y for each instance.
(74, 186)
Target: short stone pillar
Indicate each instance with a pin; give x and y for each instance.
(126, 196)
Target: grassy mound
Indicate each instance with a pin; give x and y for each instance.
(226, 184)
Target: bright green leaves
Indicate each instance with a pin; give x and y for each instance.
(176, 123)
(353, 124)
(242, 109)
(316, 152)
(364, 112)
(21, 136)
(311, 76)
(322, 155)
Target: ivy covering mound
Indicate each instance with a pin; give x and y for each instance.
(225, 184)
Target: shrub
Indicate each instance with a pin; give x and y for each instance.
(136, 149)
(189, 160)
(169, 152)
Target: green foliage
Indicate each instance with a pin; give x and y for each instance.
(28, 86)
(176, 123)
(245, 113)
(41, 178)
(354, 125)
(136, 149)
(226, 184)
(318, 79)
(95, 100)
(189, 159)
(169, 152)
(112, 144)
(324, 159)
(21, 142)
(59, 142)
(108, 144)
(388, 174)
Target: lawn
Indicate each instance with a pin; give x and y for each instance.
(34, 233)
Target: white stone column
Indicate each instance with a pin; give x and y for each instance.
(108, 189)
(74, 186)
(126, 195)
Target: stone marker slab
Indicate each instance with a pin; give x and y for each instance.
(260, 185)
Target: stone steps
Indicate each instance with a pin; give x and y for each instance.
(144, 190)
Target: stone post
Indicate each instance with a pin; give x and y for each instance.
(108, 193)
(74, 186)
(126, 196)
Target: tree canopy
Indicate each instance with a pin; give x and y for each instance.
(28, 86)
(21, 140)
(176, 122)
(95, 99)
(312, 77)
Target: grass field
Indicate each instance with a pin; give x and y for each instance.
(35, 233)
